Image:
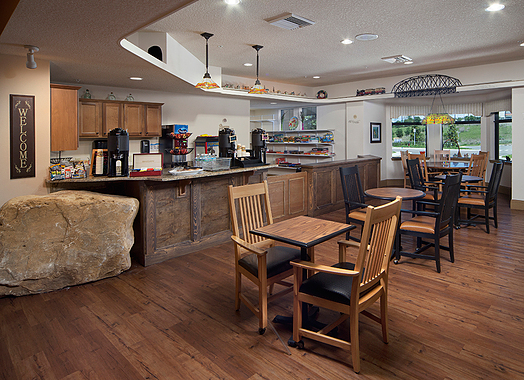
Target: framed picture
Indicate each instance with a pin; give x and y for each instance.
(376, 132)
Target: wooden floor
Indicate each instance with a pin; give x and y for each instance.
(176, 320)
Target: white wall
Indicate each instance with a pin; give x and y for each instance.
(334, 117)
(355, 129)
(517, 185)
(16, 79)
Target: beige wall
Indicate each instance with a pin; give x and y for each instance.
(16, 79)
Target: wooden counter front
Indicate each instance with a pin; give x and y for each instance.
(325, 187)
(178, 214)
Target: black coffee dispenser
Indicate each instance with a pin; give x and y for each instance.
(118, 152)
(258, 144)
(226, 142)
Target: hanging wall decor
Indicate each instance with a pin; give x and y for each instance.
(375, 132)
(22, 109)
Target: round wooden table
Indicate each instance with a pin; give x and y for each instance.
(390, 193)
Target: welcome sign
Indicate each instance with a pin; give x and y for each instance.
(22, 136)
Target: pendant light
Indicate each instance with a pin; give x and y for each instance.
(257, 88)
(207, 83)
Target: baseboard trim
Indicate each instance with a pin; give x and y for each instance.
(517, 204)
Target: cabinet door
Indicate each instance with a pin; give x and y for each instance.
(153, 121)
(64, 118)
(111, 117)
(90, 119)
(134, 119)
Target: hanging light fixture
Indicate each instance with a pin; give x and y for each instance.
(207, 83)
(257, 88)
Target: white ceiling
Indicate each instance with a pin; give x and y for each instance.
(80, 38)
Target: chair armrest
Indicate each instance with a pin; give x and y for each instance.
(357, 204)
(422, 213)
(474, 191)
(248, 246)
(323, 268)
(485, 187)
(351, 243)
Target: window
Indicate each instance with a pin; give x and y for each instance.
(309, 118)
(503, 136)
(408, 134)
(298, 118)
(465, 132)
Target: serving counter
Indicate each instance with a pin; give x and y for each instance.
(178, 214)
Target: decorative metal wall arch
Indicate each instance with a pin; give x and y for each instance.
(425, 85)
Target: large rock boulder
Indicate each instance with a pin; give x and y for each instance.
(66, 238)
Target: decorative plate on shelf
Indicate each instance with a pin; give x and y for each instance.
(321, 94)
(293, 123)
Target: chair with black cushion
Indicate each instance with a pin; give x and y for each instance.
(256, 258)
(354, 198)
(418, 183)
(349, 288)
(432, 225)
(482, 198)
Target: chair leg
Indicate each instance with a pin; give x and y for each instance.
(297, 318)
(271, 287)
(238, 286)
(495, 214)
(437, 252)
(262, 306)
(486, 217)
(450, 245)
(354, 339)
(384, 316)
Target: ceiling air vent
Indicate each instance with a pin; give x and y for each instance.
(290, 21)
(397, 59)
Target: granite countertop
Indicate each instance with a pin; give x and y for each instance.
(166, 176)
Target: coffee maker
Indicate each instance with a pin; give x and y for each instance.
(118, 152)
(258, 144)
(226, 142)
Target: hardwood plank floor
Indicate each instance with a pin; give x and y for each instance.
(176, 320)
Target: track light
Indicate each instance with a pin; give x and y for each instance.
(31, 64)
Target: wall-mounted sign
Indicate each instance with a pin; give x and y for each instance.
(22, 136)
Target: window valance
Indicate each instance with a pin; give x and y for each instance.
(477, 109)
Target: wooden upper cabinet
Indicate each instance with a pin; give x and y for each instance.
(64, 117)
(90, 118)
(98, 117)
(111, 116)
(134, 119)
(153, 125)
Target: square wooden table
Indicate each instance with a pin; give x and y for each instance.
(303, 231)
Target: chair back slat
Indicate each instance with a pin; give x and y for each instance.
(379, 230)
(415, 174)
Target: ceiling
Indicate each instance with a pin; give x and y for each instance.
(81, 38)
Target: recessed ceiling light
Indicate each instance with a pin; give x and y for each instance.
(522, 44)
(495, 7)
(347, 41)
(366, 37)
(273, 103)
(316, 77)
(232, 2)
(408, 62)
(248, 64)
(135, 78)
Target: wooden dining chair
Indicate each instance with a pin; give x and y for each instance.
(350, 288)
(256, 258)
(481, 198)
(354, 198)
(441, 155)
(418, 183)
(432, 225)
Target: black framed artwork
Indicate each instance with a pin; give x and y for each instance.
(375, 132)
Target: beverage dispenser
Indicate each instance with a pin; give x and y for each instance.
(118, 152)
(258, 144)
(226, 142)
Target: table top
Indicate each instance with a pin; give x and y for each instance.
(432, 164)
(303, 231)
(465, 178)
(390, 193)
